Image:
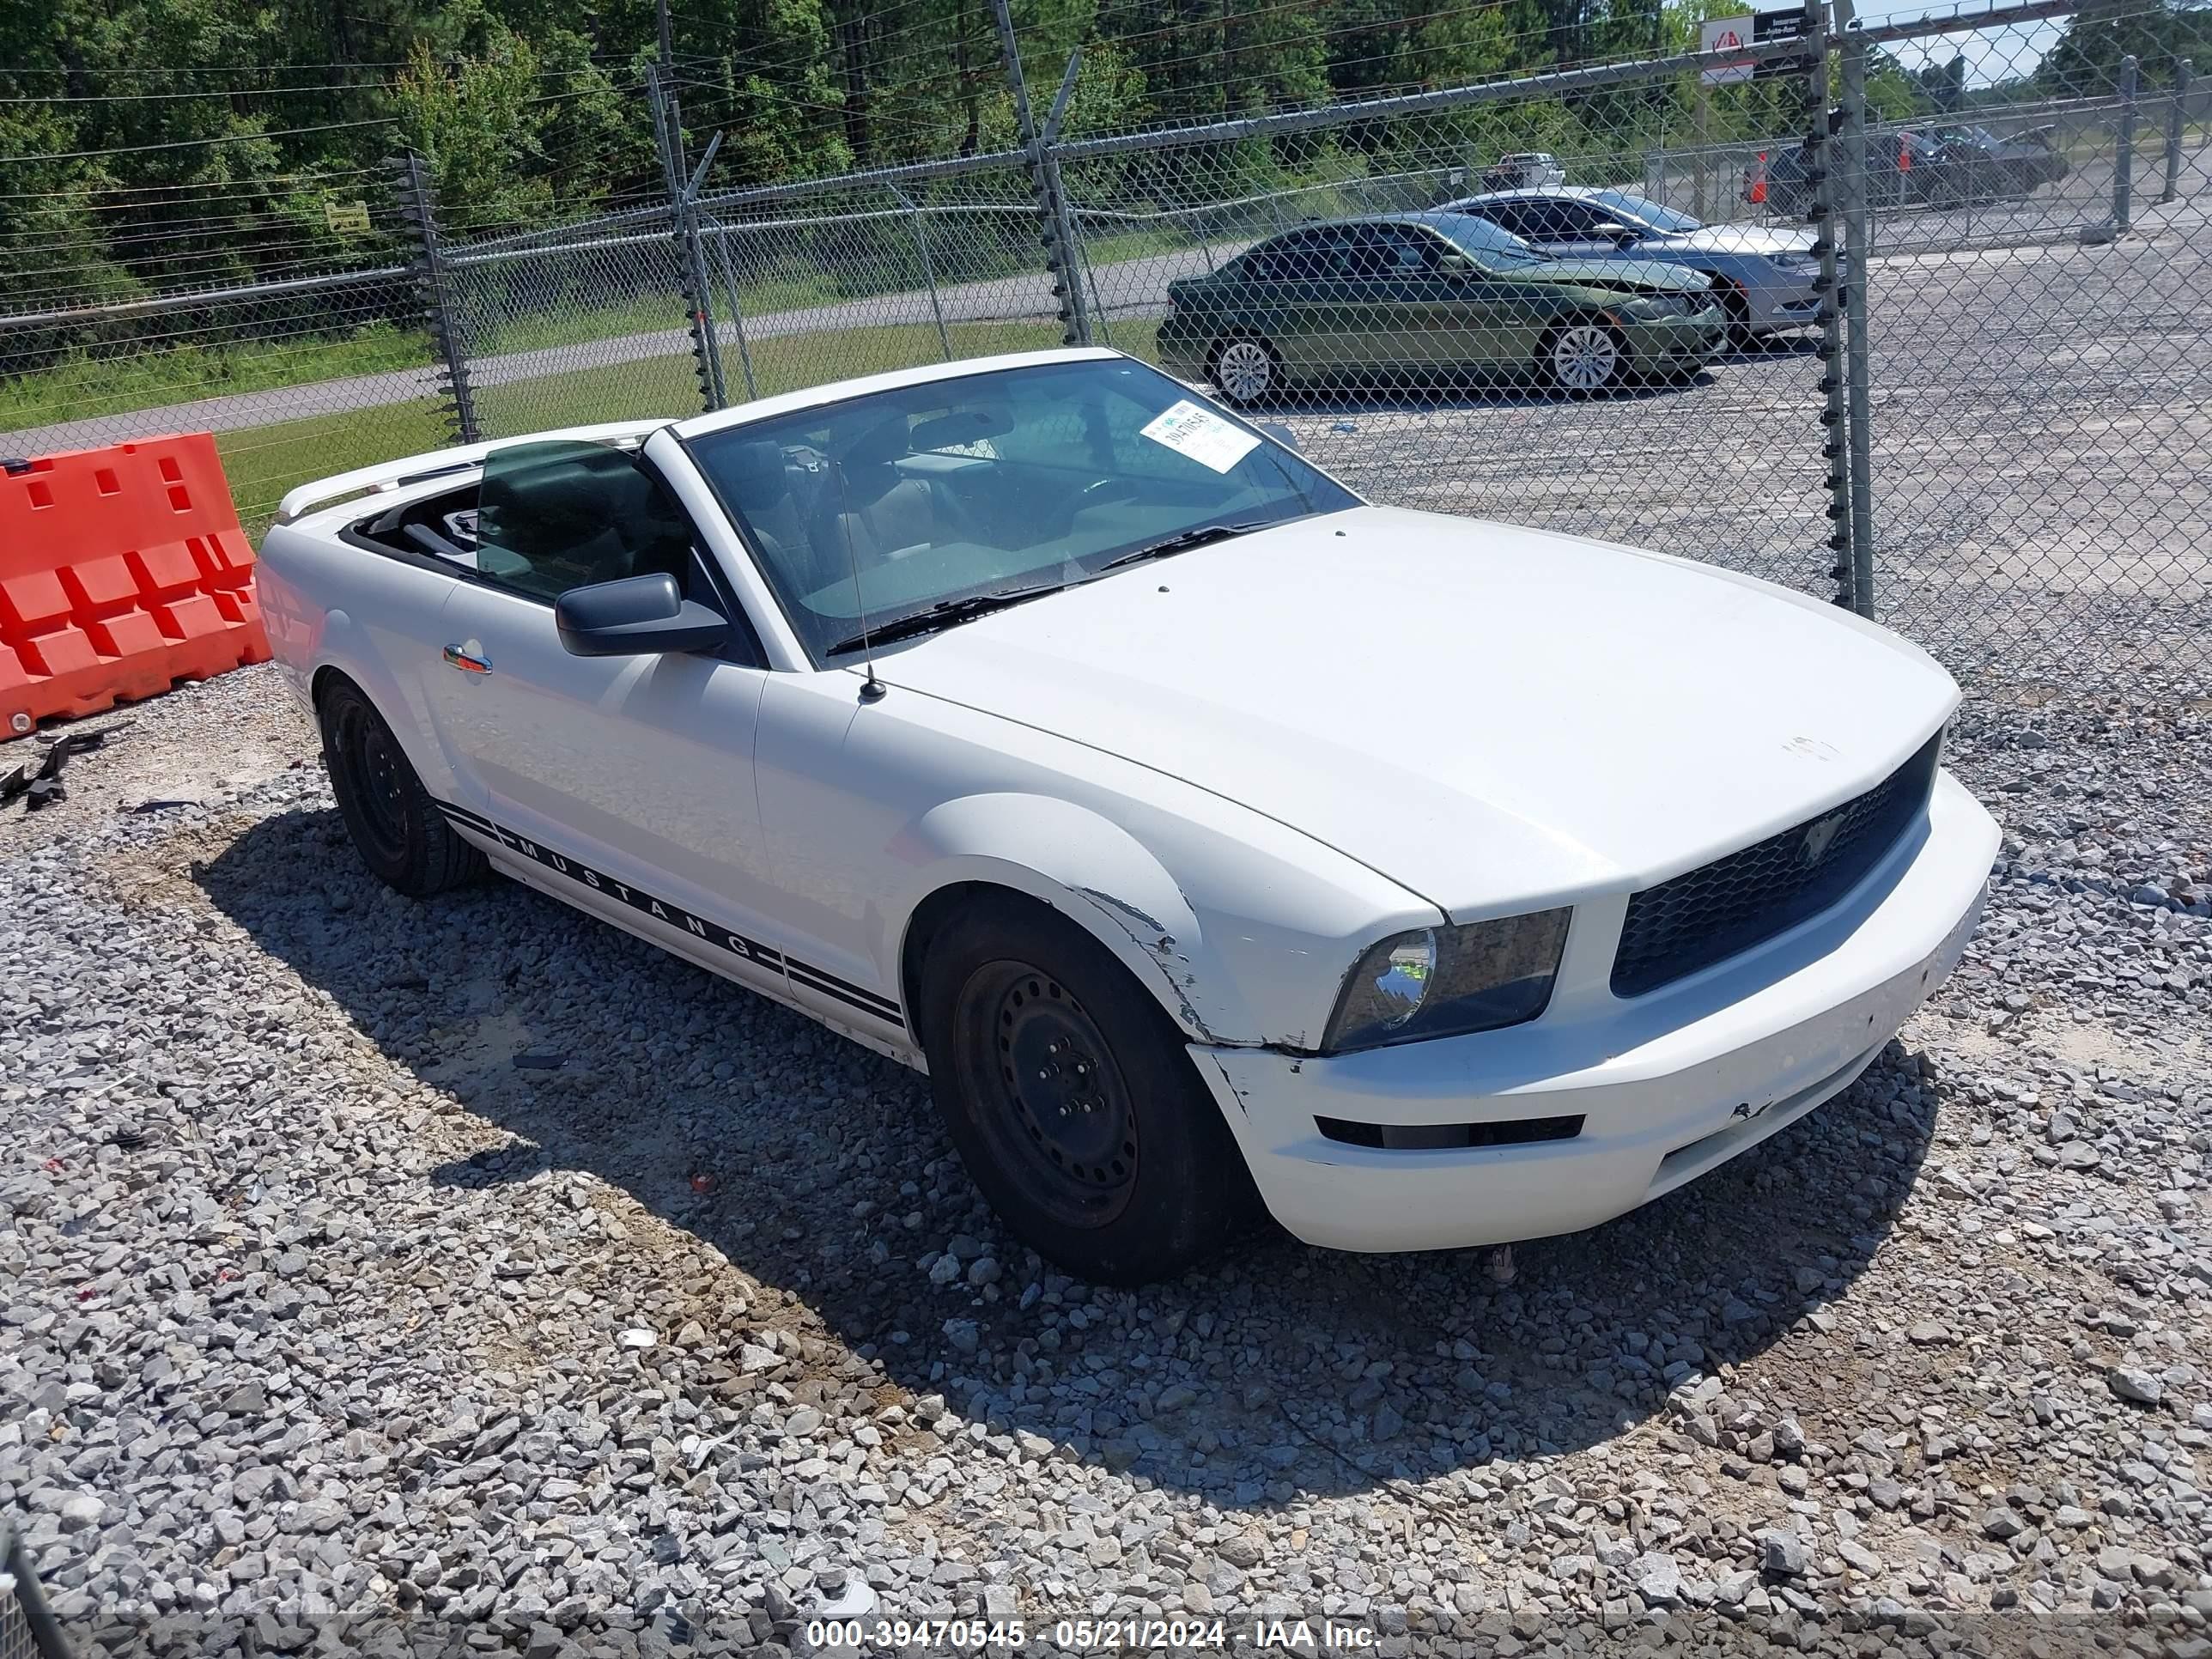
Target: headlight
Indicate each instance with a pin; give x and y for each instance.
(1797, 264)
(1444, 982)
(1658, 305)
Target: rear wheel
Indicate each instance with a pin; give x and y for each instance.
(396, 827)
(1072, 1100)
(1586, 357)
(1247, 371)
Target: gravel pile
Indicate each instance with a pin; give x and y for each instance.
(474, 1268)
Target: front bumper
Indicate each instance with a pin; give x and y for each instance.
(1668, 1085)
(1781, 300)
(1675, 340)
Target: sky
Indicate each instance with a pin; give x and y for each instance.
(1992, 55)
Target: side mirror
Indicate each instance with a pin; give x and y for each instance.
(1455, 264)
(634, 617)
(1624, 236)
(1281, 434)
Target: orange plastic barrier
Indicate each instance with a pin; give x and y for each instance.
(121, 571)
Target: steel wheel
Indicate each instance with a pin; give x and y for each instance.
(375, 780)
(1072, 1097)
(1585, 357)
(1245, 370)
(1056, 1107)
(399, 831)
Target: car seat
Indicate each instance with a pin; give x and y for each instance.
(760, 480)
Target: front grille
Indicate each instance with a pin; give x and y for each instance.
(1734, 902)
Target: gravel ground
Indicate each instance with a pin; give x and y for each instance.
(477, 1268)
(201, 744)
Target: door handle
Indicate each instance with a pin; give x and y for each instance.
(468, 658)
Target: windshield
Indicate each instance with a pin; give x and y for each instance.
(1489, 246)
(1648, 212)
(952, 490)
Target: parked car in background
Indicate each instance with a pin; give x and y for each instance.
(1766, 277)
(1212, 838)
(1915, 166)
(1974, 164)
(1525, 169)
(1419, 298)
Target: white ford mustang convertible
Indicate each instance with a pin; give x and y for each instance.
(1213, 840)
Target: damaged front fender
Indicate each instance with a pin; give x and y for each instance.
(1099, 876)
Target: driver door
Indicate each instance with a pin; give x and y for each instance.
(624, 783)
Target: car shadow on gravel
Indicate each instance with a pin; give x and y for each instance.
(819, 1170)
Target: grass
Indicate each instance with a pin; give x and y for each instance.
(80, 387)
(263, 462)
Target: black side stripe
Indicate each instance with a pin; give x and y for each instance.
(872, 1005)
(829, 982)
(467, 820)
(814, 979)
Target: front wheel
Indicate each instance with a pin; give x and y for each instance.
(1247, 371)
(1585, 358)
(396, 827)
(1072, 1100)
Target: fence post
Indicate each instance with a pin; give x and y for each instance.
(2123, 164)
(1098, 303)
(418, 206)
(2174, 110)
(1045, 182)
(668, 136)
(729, 262)
(1858, 255)
(1820, 210)
(928, 269)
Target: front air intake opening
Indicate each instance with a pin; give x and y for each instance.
(1442, 1137)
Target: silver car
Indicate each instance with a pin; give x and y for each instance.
(1766, 276)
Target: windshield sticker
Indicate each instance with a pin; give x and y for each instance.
(1192, 430)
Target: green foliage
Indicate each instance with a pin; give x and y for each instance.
(2086, 62)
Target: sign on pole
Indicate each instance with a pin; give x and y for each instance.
(1778, 26)
(1726, 34)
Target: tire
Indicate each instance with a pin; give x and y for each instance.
(1112, 1161)
(1584, 358)
(1737, 309)
(398, 829)
(1246, 370)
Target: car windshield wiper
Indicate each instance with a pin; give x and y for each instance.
(1182, 541)
(946, 613)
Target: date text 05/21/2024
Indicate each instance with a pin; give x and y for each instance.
(1097, 1635)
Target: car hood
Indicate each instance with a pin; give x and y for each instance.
(1735, 239)
(1474, 710)
(1624, 272)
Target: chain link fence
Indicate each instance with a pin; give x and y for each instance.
(1909, 317)
(2040, 389)
(297, 379)
(28, 1629)
(1494, 352)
